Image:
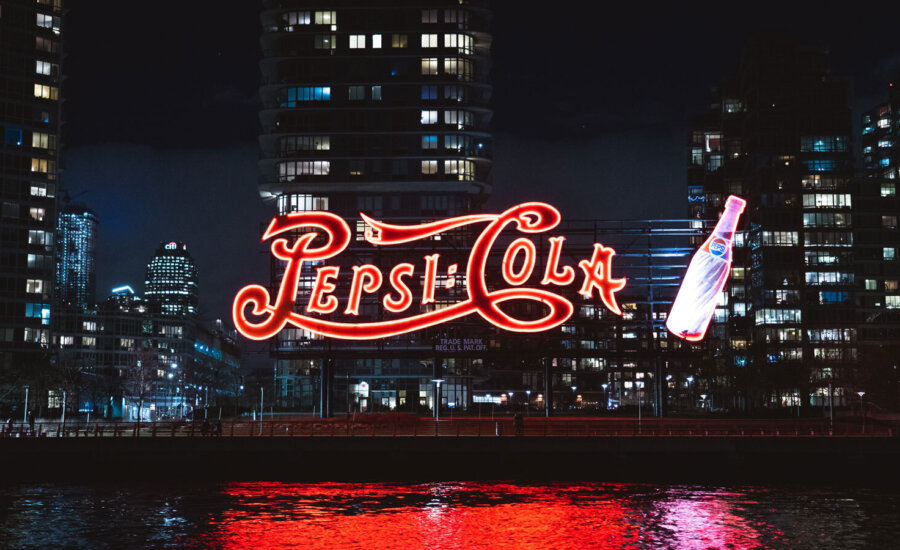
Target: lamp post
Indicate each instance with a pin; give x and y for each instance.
(25, 414)
(528, 402)
(862, 410)
(690, 381)
(574, 389)
(640, 387)
(605, 396)
(702, 400)
(437, 399)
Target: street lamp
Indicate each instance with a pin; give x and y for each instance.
(25, 416)
(437, 400)
(702, 400)
(605, 395)
(862, 409)
(528, 402)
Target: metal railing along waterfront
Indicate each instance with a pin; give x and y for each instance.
(462, 427)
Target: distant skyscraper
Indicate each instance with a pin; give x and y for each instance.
(171, 280)
(76, 256)
(880, 141)
(778, 134)
(29, 119)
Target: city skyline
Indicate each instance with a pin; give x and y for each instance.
(594, 125)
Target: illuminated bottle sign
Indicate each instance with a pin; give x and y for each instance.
(705, 278)
(319, 236)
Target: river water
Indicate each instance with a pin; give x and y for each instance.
(445, 515)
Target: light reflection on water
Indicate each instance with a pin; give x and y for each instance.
(445, 515)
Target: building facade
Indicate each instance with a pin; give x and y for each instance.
(778, 134)
(379, 107)
(171, 280)
(125, 358)
(30, 121)
(881, 146)
(375, 107)
(76, 256)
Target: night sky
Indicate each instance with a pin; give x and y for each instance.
(591, 114)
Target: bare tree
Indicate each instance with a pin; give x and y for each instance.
(142, 376)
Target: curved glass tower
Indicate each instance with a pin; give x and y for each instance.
(375, 106)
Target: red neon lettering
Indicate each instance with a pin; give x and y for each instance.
(597, 275)
(451, 279)
(529, 218)
(406, 297)
(366, 278)
(323, 286)
(551, 275)
(431, 262)
(257, 296)
(509, 258)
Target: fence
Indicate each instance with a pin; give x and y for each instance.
(467, 427)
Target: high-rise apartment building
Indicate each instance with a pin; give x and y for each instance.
(76, 256)
(376, 107)
(379, 107)
(880, 142)
(29, 117)
(171, 280)
(778, 134)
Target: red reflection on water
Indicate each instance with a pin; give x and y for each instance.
(471, 515)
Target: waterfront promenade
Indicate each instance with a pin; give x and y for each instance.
(419, 449)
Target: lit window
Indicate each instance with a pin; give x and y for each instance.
(886, 143)
(36, 213)
(40, 140)
(463, 43)
(46, 68)
(325, 42)
(888, 189)
(888, 253)
(429, 41)
(398, 41)
(357, 93)
(463, 169)
(889, 221)
(292, 18)
(429, 142)
(429, 65)
(13, 136)
(326, 18)
(288, 171)
(429, 117)
(429, 16)
(316, 93)
(461, 68)
(461, 119)
(34, 286)
(883, 122)
(46, 92)
(357, 41)
(429, 92)
(376, 41)
(892, 302)
(376, 93)
(890, 284)
(292, 144)
(429, 167)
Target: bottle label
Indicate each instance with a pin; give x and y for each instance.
(718, 247)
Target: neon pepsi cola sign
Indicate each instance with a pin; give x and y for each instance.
(313, 237)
